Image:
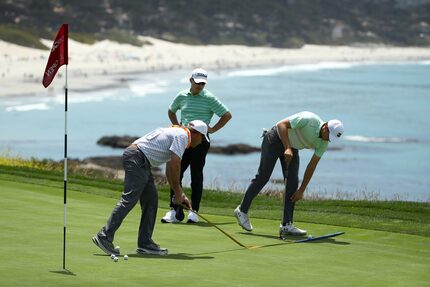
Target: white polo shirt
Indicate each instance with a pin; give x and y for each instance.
(159, 144)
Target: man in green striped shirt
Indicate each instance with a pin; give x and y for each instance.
(195, 103)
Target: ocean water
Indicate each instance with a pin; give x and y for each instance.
(385, 153)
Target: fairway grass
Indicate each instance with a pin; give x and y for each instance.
(199, 255)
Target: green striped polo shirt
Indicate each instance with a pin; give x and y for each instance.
(198, 107)
(305, 132)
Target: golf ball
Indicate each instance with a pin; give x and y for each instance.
(126, 257)
(310, 237)
(112, 256)
(115, 259)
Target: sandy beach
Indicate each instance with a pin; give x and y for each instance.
(105, 64)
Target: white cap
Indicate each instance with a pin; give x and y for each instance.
(336, 130)
(199, 126)
(199, 76)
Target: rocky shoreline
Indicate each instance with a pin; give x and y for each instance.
(111, 166)
(232, 149)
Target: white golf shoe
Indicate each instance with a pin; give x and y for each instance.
(290, 229)
(192, 217)
(170, 217)
(242, 219)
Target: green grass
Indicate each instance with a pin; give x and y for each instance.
(83, 38)
(386, 242)
(31, 38)
(31, 212)
(121, 36)
(392, 216)
(21, 37)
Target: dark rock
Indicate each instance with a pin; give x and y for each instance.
(335, 148)
(125, 141)
(233, 149)
(116, 141)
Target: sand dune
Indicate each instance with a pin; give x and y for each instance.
(105, 64)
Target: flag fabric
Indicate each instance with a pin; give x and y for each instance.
(58, 56)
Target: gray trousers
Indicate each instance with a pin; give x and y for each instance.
(272, 149)
(138, 186)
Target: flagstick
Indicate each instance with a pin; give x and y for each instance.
(65, 172)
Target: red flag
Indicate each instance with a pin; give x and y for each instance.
(58, 57)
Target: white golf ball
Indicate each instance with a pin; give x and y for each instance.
(112, 256)
(117, 249)
(310, 237)
(126, 257)
(115, 259)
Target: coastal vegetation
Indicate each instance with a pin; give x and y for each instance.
(273, 23)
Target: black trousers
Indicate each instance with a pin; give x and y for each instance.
(272, 149)
(195, 158)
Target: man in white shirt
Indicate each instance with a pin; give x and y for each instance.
(163, 145)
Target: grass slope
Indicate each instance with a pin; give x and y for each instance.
(31, 212)
(393, 216)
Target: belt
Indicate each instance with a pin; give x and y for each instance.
(272, 130)
(140, 151)
(135, 146)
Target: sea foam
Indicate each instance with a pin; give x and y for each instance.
(358, 138)
(142, 89)
(27, 108)
(291, 68)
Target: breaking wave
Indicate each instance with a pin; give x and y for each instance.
(358, 138)
(142, 89)
(134, 89)
(27, 108)
(291, 68)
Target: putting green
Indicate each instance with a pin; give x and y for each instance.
(199, 255)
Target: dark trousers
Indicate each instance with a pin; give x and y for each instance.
(138, 186)
(195, 158)
(272, 149)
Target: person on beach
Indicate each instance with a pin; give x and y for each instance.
(304, 130)
(163, 145)
(196, 103)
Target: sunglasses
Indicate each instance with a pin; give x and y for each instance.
(199, 84)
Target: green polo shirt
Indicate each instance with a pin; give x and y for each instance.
(305, 131)
(198, 107)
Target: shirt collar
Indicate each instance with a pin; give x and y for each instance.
(199, 94)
